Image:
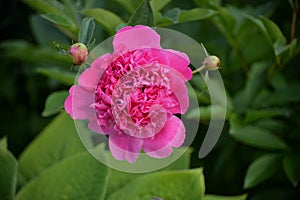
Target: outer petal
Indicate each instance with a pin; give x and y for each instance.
(172, 135)
(178, 87)
(90, 77)
(78, 103)
(125, 147)
(176, 60)
(136, 38)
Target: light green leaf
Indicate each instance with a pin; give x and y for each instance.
(175, 185)
(64, 76)
(254, 115)
(57, 19)
(120, 179)
(106, 19)
(54, 103)
(262, 169)
(79, 176)
(291, 165)
(157, 5)
(8, 172)
(217, 197)
(56, 142)
(86, 31)
(205, 112)
(143, 15)
(208, 3)
(258, 137)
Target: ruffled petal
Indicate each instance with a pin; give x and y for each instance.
(137, 37)
(90, 77)
(175, 60)
(172, 135)
(125, 147)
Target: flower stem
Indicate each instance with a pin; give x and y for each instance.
(199, 69)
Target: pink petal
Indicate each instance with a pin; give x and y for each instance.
(172, 135)
(90, 77)
(176, 60)
(125, 147)
(137, 37)
(78, 103)
(178, 87)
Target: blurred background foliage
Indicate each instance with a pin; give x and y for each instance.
(258, 152)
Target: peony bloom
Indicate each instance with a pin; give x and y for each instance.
(132, 95)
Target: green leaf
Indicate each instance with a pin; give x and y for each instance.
(45, 6)
(157, 5)
(175, 185)
(254, 115)
(291, 167)
(79, 176)
(120, 179)
(106, 19)
(262, 169)
(216, 197)
(54, 103)
(205, 113)
(8, 172)
(143, 15)
(175, 16)
(258, 137)
(129, 5)
(208, 3)
(66, 77)
(57, 19)
(86, 31)
(56, 142)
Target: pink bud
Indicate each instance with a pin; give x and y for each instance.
(78, 53)
(212, 63)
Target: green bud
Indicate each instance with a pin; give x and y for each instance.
(78, 53)
(212, 63)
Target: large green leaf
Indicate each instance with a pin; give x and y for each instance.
(86, 31)
(258, 137)
(56, 142)
(142, 15)
(120, 179)
(106, 19)
(8, 173)
(45, 6)
(216, 197)
(291, 165)
(262, 169)
(175, 185)
(79, 176)
(55, 103)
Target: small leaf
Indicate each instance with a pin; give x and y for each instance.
(106, 19)
(79, 176)
(54, 103)
(143, 15)
(258, 137)
(216, 197)
(86, 31)
(175, 185)
(291, 167)
(56, 142)
(157, 5)
(8, 172)
(196, 14)
(262, 169)
(63, 76)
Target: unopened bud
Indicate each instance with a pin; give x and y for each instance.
(212, 63)
(79, 53)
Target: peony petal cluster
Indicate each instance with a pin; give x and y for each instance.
(134, 95)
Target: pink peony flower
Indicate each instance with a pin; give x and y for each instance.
(133, 94)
